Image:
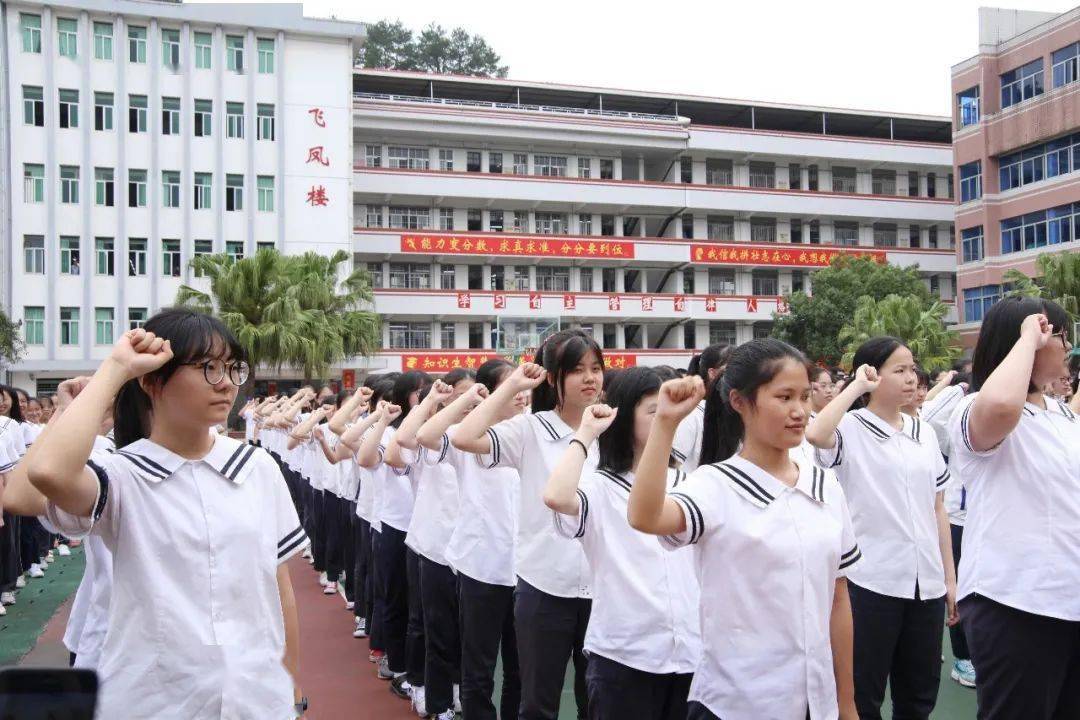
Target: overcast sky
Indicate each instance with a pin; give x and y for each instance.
(840, 53)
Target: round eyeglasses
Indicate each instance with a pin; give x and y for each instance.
(215, 371)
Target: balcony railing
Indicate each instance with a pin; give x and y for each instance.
(450, 102)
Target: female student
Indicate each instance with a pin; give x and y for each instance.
(551, 607)
(822, 389)
(709, 366)
(643, 639)
(481, 550)
(178, 647)
(894, 475)
(11, 561)
(772, 542)
(1019, 455)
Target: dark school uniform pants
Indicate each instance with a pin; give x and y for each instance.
(442, 641)
(10, 560)
(377, 619)
(957, 635)
(897, 642)
(617, 691)
(487, 621)
(363, 575)
(390, 563)
(317, 509)
(550, 631)
(349, 523)
(334, 535)
(1028, 666)
(697, 711)
(414, 631)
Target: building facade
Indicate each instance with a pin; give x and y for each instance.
(1016, 152)
(137, 135)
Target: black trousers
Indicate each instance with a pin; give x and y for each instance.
(486, 614)
(333, 535)
(442, 641)
(550, 631)
(32, 539)
(897, 641)
(363, 574)
(414, 632)
(1028, 665)
(317, 510)
(349, 523)
(10, 560)
(377, 619)
(391, 563)
(957, 635)
(617, 691)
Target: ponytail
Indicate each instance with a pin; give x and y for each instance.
(723, 428)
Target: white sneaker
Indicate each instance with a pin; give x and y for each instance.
(361, 628)
(457, 698)
(446, 715)
(20, 582)
(7, 598)
(50, 557)
(64, 550)
(330, 589)
(3, 611)
(350, 605)
(35, 571)
(323, 579)
(419, 701)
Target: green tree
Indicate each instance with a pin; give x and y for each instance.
(12, 346)
(1059, 280)
(813, 322)
(392, 45)
(906, 317)
(289, 310)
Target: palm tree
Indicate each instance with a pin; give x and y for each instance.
(1059, 281)
(907, 318)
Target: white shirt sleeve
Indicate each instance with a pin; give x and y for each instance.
(834, 456)
(960, 433)
(850, 554)
(701, 500)
(507, 443)
(105, 515)
(686, 437)
(576, 526)
(291, 536)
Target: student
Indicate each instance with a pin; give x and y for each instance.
(772, 542)
(47, 408)
(922, 390)
(709, 366)
(178, 646)
(643, 640)
(1018, 453)
(481, 550)
(894, 476)
(12, 570)
(552, 601)
(822, 389)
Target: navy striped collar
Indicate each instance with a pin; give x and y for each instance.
(552, 426)
(232, 459)
(1053, 405)
(761, 488)
(882, 431)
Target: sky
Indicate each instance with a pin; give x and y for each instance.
(867, 54)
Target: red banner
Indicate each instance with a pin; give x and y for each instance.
(569, 302)
(619, 361)
(464, 300)
(444, 362)
(543, 246)
(785, 256)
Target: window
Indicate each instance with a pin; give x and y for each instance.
(978, 300)
(474, 219)
(762, 175)
(549, 165)
(204, 118)
(33, 183)
(843, 179)
(410, 335)
(234, 193)
(584, 167)
(33, 106)
(375, 272)
(607, 225)
(69, 326)
(763, 230)
(686, 170)
(203, 247)
(1063, 64)
(447, 277)
(67, 37)
(234, 52)
(170, 49)
(495, 221)
(410, 275)
(68, 116)
(136, 257)
(30, 26)
(971, 181)
(551, 223)
(103, 326)
(407, 158)
(931, 185)
(885, 235)
(170, 116)
(446, 160)
(1057, 157)
(234, 120)
(34, 254)
(447, 334)
(410, 218)
(103, 34)
(34, 325)
(373, 216)
(1057, 225)
(265, 129)
(170, 258)
(136, 188)
(719, 172)
(69, 184)
(688, 227)
(721, 281)
(104, 187)
(883, 182)
(69, 255)
(815, 232)
(495, 163)
(521, 164)
(554, 279)
(585, 279)
(795, 230)
(721, 333)
(765, 282)
(234, 249)
(607, 169)
(203, 191)
(585, 224)
(136, 44)
(521, 221)
(845, 233)
(971, 241)
(373, 156)
(472, 161)
(103, 111)
(170, 188)
(967, 103)
(136, 317)
(266, 55)
(794, 176)
(1021, 84)
(137, 117)
(204, 43)
(520, 281)
(265, 186)
(105, 256)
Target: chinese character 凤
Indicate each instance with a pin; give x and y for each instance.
(317, 114)
(317, 196)
(316, 154)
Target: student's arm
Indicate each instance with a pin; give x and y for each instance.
(431, 432)
(405, 437)
(471, 436)
(59, 469)
(944, 382)
(650, 510)
(945, 547)
(352, 437)
(301, 433)
(289, 615)
(822, 430)
(841, 633)
(345, 412)
(369, 455)
(560, 493)
(330, 453)
(995, 412)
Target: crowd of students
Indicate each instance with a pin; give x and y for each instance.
(752, 537)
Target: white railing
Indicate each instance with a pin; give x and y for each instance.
(589, 112)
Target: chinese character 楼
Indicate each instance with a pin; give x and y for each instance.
(317, 196)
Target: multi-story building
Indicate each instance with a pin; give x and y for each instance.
(1016, 151)
(491, 211)
(136, 135)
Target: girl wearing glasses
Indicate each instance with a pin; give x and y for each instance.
(176, 503)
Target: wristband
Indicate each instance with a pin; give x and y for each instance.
(583, 448)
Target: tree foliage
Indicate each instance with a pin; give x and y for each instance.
(813, 322)
(12, 346)
(394, 46)
(905, 317)
(1059, 280)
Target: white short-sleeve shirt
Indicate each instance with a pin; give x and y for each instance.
(767, 557)
(195, 620)
(1022, 534)
(10, 442)
(436, 510)
(891, 478)
(533, 444)
(395, 495)
(686, 447)
(645, 599)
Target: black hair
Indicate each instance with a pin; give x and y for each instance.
(14, 412)
(749, 366)
(559, 355)
(404, 386)
(961, 377)
(711, 358)
(617, 442)
(380, 390)
(666, 372)
(922, 378)
(458, 374)
(493, 372)
(25, 395)
(875, 352)
(816, 371)
(193, 336)
(1001, 329)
